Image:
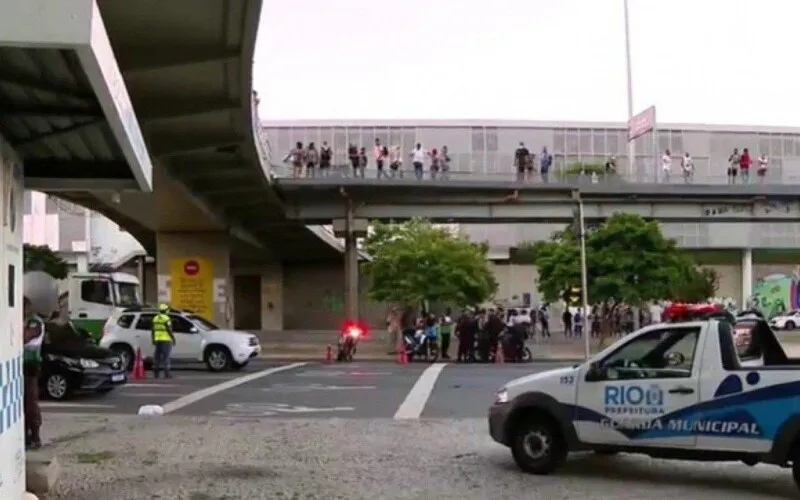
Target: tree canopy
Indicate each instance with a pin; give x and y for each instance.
(42, 258)
(628, 261)
(416, 261)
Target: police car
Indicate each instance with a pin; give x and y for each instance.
(685, 391)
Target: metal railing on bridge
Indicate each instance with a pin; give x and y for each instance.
(564, 175)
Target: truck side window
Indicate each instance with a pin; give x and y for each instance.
(662, 353)
(96, 291)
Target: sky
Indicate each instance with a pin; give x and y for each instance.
(697, 61)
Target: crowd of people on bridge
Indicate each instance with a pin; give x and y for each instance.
(390, 162)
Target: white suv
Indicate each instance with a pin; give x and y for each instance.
(197, 340)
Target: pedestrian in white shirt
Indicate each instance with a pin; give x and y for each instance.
(418, 160)
(687, 166)
(762, 168)
(666, 165)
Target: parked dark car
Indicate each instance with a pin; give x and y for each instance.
(73, 364)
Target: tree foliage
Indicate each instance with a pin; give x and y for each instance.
(42, 258)
(628, 261)
(417, 261)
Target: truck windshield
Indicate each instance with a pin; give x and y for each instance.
(127, 294)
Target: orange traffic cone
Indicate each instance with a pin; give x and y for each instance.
(498, 355)
(329, 354)
(138, 366)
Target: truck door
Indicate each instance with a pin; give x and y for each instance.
(635, 395)
(91, 302)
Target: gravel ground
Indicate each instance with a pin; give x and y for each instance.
(193, 458)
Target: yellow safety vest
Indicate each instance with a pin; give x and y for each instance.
(160, 328)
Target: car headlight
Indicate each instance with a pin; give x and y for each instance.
(501, 396)
(88, 363)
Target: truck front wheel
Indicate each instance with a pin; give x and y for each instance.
(538, 447)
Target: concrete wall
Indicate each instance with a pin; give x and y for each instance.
(12, 454)
(313, 298)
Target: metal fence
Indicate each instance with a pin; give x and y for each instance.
(557, 175)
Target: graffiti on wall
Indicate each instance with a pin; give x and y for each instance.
(777, 293)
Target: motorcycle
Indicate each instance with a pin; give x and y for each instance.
(348, 341)
(425, 348)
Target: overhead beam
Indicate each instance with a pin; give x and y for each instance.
(56, 134)
(150, 58)
(44, 84)
(77, 169)
(26, 111)
(230, 189)
(55, 185)
(218, 172)
(183, 144)
(153, 111)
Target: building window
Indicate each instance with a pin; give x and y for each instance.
(663, 140)
(573, 142)
(585, 142)
(477, 139)
(559, 141)
(599, 142)
(491, 139)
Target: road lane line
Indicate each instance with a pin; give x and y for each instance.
(417, 398)
(56, 404)
(152, 395)
(129, 385)
(224, 386)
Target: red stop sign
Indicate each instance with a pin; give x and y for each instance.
(191, 267)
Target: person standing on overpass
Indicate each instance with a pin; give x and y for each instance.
(32, 337)
(163, 340)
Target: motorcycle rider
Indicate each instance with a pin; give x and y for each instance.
(494, 327)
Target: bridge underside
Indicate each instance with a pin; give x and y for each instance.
(189, 80)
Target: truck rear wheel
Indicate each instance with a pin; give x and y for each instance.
(538, 446)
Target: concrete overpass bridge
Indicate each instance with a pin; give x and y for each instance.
(318, 201)
(187, 69)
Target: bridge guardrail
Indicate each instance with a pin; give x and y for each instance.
(260, 137)
(345, 171)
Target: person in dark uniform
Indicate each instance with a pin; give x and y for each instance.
(32, 338)
(466, 331)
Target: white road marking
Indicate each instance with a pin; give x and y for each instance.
(153, 394)
(224, 386)
(274, 409)
(148, 385)
(58, 404)
(316, 387)
(340, 373)
(417, 398)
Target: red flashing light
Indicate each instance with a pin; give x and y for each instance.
(355, 329)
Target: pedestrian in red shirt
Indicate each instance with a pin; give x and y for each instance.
(744, 165)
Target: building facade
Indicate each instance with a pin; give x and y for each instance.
(744, 254)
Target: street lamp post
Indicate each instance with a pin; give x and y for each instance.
(629, 71)
(576, 195)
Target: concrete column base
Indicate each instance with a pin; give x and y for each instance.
(41, 472)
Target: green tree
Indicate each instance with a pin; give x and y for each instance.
(42, 258)
(416, 261)
(629, 261)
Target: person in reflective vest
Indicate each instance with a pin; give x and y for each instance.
(163, 340)
(32, 337)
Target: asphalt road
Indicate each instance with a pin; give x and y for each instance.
(356, 390)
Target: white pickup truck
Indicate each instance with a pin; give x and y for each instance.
(702, 390)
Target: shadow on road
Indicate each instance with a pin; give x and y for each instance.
(738, 478)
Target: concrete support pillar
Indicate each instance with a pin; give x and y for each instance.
(194, 273)
(272, 297)
(351, 229)
(747, 277)
(12, 433)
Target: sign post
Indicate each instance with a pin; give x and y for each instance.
(639, 125)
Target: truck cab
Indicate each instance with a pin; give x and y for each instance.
(698, 390)
(94, 297)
